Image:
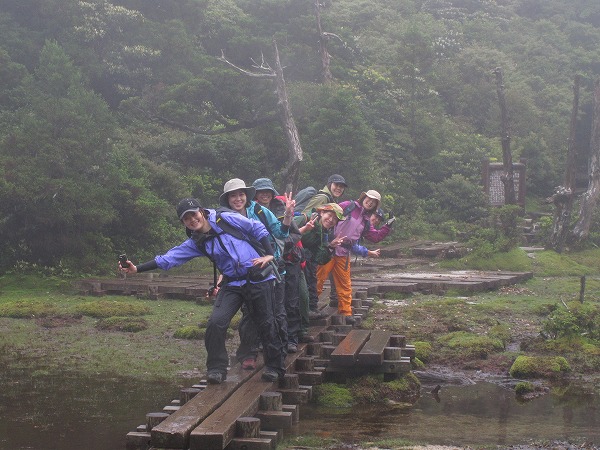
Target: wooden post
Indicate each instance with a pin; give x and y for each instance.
(270, 401)
(185, 395)
(582, 289)
(247, 427)
(153, 419)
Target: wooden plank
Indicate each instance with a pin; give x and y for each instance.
(347, 350)
(174, 431)
(218, 429)
(372, 352)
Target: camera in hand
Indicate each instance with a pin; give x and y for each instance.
(123, 261)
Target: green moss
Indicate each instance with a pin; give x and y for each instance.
(333, 395)
(470, 344)
(108, 308)
(372, 389)
(524, 387)
(500, 331)
(539, 366)
(423, 350)
(24, 309)
(515, 260)
(416, 363)
(551, 264)
(190, 332)
(130, 324)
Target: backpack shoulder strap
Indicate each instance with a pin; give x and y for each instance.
(326, 194)
(260, 213)
(348, 209)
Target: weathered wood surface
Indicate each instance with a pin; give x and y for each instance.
(174, 431)
(372, 354)
(347, 350)
(194, 288)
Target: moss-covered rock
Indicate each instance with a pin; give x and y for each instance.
(524, 387)
(423, 350)
(333, 395)
(471, 345)
(372, 389)
(107, 308)
(23, 309)
(190, 332)
(539, 367)
(129, 324)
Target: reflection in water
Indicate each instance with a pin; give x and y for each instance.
(478, 414)
(42, 412)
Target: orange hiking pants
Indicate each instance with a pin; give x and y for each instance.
(339, 266)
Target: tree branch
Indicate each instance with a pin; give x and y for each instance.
(263, 66)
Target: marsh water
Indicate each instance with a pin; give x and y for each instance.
(43, 412)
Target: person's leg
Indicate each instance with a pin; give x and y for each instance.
(303, 304)
(259, 298)
(247, 351)
(280, 312)
(227, 303)
(292, 308)
(322, 275)
(333, 297)
(310, 272)
(341, 276)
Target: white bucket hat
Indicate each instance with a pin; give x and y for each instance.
(233, 185)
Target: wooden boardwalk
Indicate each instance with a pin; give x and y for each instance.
(245, 412)
(374, 280)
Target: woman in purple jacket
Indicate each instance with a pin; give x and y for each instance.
(244, 282)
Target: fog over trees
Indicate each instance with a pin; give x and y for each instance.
(112, 111)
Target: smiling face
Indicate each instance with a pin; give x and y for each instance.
(195, 221)
(369, 203)
(337, 189)
(237, 201)
(328, 219)
(264, 197)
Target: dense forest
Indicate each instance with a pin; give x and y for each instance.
(110, 111)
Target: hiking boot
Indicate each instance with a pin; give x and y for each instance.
(215, 377)
(292, 348)
(315, 315)
(306, 338)
(270, 375)
(350, 320)
(249, 364)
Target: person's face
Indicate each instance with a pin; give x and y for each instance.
(264, 197)
(328, 219)
(195, 221)
(375, 220)
(337, 189)
(237, 200)
(369, 203)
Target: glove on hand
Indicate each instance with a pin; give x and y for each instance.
(390, 220)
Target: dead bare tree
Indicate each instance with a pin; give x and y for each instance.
(325, 56)
(590, 197)
(291, 171)
(564, 195)
(508, 177)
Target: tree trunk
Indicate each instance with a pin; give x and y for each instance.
(564, 195)
(325, 56)
(508, 176)
(590, 197)
(292, 170)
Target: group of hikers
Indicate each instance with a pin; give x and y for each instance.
(273, 262)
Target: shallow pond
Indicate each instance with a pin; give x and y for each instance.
(42, 412)
(478, 414)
